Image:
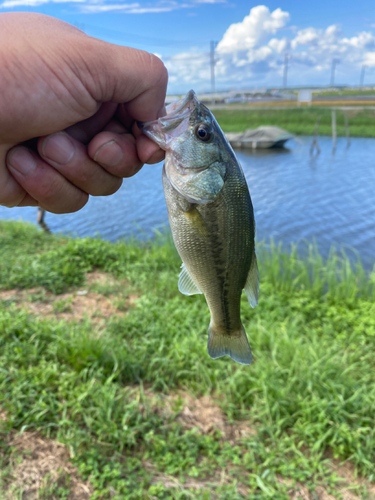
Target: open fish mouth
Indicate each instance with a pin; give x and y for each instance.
(173, 124)
(179, 106)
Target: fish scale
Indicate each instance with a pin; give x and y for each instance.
(211, 218)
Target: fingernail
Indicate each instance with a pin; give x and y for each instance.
(156, 157)
(110, 154)
(21, 160)
(58, 148)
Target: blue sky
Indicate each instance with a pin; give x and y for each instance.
(252, 37)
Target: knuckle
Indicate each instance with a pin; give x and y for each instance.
(159, 70)
(12, 194)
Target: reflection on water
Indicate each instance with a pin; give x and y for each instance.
(329, 198)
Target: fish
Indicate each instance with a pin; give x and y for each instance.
(212, 220)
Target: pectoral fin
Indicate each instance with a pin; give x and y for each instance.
(252, 283)
(186, 284)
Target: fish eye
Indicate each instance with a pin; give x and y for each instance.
(203, 132)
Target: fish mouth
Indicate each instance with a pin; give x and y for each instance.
(179, 106)
(174, 123)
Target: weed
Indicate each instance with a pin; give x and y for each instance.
(55, 487)
(63, 305)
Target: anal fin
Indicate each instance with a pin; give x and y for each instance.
(252, 283)
(186, 284)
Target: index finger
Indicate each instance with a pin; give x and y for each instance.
(130, 76)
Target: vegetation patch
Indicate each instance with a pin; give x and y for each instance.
(141, 409)
(300, 121)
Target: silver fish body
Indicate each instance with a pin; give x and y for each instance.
(211, 218)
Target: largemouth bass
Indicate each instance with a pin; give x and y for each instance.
(212, 220)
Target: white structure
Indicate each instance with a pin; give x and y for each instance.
(305, 95)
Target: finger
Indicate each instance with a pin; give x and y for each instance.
(70, 158)
(43, 183)
(156, 157)
(28, 201)
(116, 127)
(84, 131)
(11, 192)
(117, 153)
(126, 75)
(148, 151)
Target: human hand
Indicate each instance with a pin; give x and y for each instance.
(68, 110)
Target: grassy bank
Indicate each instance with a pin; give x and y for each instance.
(345, 92)
(125, 383)
(300, 121)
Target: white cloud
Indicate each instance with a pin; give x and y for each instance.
(253, 29)
(279, 45)
(252, 53)
(369, 59)
(307, 36)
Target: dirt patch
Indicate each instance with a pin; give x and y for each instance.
(44, 466)
(220, 478)
(302, 493)
(76, 305)
(207, 415)
(97, 277)
(345, 471)
(3, 415)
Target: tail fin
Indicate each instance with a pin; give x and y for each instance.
(236, 346)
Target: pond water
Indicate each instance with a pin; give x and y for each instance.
(329, 198)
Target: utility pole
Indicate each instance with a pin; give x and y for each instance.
(362, 76)
(212, 63)
(285, 79)
(334, 63)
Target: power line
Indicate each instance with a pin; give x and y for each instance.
(213, 61)
(361, 80)
(285, 78)
(333, 67)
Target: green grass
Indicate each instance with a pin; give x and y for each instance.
(300, 121)
(348, 92)
(309, 394)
